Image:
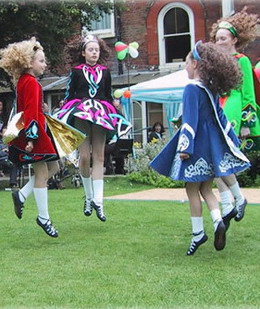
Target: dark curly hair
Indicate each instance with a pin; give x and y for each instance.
(246, 26)
(218, 71)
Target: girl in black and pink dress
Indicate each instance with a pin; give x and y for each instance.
(89, 108)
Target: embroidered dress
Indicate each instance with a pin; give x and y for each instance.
(206, 136)
(29, 100)
(89, 98)
(240, 106)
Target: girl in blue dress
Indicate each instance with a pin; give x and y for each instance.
(89, 108)
(205, 146)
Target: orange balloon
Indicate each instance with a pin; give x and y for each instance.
(127, 94)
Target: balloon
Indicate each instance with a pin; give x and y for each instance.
(118, 93)
(122, 49)
(119, 46)
(121, 55)
(135, 45)
(133, 52)
(127, 94)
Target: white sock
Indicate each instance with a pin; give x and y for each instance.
(27, 189)
(197, 227)
(235, 189)
(226, 202)
(87, 185)
(216, 217)
(98, 191)
(41, 198)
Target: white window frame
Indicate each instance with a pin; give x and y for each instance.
(104, 33)
(228, 8)
(162, 61)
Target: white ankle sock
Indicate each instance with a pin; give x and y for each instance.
(197, 227)
(27, 189)
(226, 202)
(98, 191)
(235, 189)
(41, 198)
(216, 217)
(87, 185)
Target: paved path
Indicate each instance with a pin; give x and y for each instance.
(252, 195)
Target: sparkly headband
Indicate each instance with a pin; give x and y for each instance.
(87, 39)
(195, 52)
(229, 27)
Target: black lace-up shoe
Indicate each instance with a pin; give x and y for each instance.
(88, 207)
(18, 205)
(241, 211)
(220, 236)
(194, 245)
(99, 211)
(226, 219)
(48, 228)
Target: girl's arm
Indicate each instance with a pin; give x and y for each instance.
(189, 121)
(71, 87)
(108, 87)
(248, 94)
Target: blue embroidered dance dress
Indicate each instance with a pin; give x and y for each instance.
(88, 97)
(206, 136)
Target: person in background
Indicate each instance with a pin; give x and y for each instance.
(156, 132)
(232, 34)
(89, 108)
(205, 146)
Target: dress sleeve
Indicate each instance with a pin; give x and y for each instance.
(31, 98)
(189, 119)
(108, 86)
(71, 87)
(248, 94)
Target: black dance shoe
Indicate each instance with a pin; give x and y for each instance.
(18, 205)
(87, 207)
(48, 228)
(226, 219)
(241, 211)
(194, 245)
(99, 211)
(220, 236)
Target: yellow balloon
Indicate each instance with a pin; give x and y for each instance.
(134, 45)
(118, 93)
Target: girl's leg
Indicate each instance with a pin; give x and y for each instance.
(199, 236)
(20, 196)
(212, 203)
(40, 191)
(84, 169)
(240, 200)
(98, 152)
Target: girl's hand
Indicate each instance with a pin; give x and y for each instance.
(244, 132)
(29, 146)
(184, 156)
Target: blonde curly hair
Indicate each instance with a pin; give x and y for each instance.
(245, 24)
(16, 58)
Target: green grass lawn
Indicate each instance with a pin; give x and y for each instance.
(134, 260)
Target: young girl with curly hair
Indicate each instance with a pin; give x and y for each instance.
(205, 146)
(232, 34)
(24, 61)
(89, 108)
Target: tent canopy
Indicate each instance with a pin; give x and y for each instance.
(166, 89)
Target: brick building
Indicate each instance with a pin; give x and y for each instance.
(166, 30)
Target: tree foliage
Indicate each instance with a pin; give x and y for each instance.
(51, 22)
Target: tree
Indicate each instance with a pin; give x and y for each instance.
(51, 22)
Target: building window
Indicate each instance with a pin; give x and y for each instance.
(104, 27)
(227, 7)
(176, 34)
